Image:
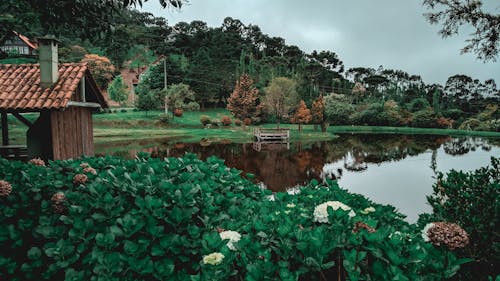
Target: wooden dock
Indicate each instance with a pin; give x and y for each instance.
(272, 135)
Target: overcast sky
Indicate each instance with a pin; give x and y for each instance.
(368, 33)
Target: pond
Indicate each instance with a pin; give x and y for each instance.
(390, 169)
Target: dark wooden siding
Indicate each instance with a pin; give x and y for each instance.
(72, 133)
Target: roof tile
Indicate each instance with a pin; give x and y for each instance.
(20, 86)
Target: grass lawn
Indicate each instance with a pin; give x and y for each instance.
(129, 126)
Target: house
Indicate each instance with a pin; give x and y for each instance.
(14, 43)
(64, 95)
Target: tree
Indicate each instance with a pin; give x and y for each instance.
(102, 69)
(484, 41)
(118, 91)
(318, 113)
(244, 101)
(57, 16)
(338, 109)
(281, 96)
(181, 96)
(302, 115)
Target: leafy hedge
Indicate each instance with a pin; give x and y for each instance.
(472, 200)
(153, 219)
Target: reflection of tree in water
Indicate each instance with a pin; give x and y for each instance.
(279, 169)
(461, 146)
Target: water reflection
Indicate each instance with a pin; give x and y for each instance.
(284, 166)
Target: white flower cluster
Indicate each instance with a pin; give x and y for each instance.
(213, 258)
(232, 236)
(368, 210)
(321, 211)
(290, 205)
(425, 231)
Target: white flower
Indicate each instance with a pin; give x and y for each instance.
(232, 236)
(213, 258)
(321, 211)
(287, 212)
(291, 205)
(271, 197)
(368, 210)
(426, 230)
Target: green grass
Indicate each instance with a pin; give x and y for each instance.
(138, 126)
(410, 130)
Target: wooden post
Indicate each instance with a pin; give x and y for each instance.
(5, 129)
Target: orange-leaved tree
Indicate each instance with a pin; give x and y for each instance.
(302, 115)
(244, 101)
(101, 68)
(318, 113)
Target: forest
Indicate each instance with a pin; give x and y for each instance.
(209, 63)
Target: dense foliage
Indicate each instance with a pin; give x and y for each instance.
(185, 219)
(472, 200)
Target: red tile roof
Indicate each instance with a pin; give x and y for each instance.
(26, 40)
(20, 87)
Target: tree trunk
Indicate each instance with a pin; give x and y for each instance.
(323, 126)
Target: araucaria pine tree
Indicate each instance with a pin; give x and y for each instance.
(302, 115)
(244, 101)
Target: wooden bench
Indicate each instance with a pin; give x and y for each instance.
(14, 152)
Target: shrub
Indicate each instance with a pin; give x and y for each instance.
(186, 219)
(165, 118)
(205, 120)
(424, 119)
(215, 122)
(470, 124)
(178, 112)
(418, 104)
(226, 121)
(123, 110)
(443, 122)
(247, 121)
(192, 106)
(470, 199)
(237, 122)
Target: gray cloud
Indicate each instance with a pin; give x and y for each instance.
(368, 33)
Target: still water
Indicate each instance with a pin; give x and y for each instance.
(390, 169)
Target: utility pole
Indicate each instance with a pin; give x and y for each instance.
(165, 83)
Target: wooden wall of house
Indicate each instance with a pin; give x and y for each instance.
(72, 133)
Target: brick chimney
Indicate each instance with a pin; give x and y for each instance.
(48, 56)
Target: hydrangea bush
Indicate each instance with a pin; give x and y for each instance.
(187, 219)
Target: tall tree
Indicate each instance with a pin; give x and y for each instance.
(244, 101)
(318, 113)
(484, 41)
(118, 91)
(302, 115)
(281, 97)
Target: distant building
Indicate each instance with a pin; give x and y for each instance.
(14, 43)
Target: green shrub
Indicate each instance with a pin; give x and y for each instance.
(153, 219)
(165, 118)
(418, 105)
(123, 110)
(470, 124)
(205, 120)
(424, 119)
(471, 199)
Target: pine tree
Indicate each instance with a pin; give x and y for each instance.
(244, 101)
(318, 113)
(302, 115)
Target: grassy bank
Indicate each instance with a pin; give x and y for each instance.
(137, 126)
